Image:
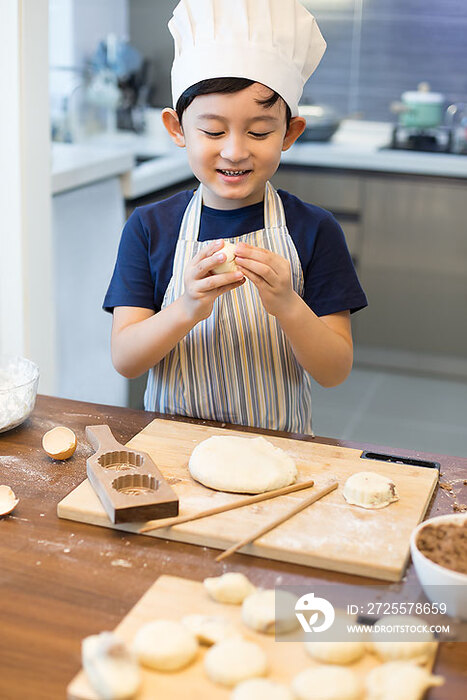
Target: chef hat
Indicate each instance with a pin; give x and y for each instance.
(274, 42)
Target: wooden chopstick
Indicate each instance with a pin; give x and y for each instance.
(168, 522)
(296, 509)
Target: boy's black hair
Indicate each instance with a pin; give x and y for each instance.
(206, 87)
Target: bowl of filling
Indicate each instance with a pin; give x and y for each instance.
(19, 378)
(439, 553)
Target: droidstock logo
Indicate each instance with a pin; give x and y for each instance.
(307, 604)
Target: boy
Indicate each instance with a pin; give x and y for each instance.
(238, 346)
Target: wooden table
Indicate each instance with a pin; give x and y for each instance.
(61, 580)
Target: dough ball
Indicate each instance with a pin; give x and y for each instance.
(259, 612)
(328, 683)
(336, 652)
(399, 679)
(165, 645)
(235, 660)
(261, 689)
(232, 587)
(112, 671)
(241, 465)
(390, 645)
(209, 629)
(229, 264)
(370, 490)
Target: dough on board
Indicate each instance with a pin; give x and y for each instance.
(241, 465)
(232, 587)
(235, 660)
(261, 689)
(328, 683)
(111, 669)
(229, 264)
(395, 645)
(165, 645)
(336, 652)
(210, 629)
(259, 612)
(370, 490)
(399, 680)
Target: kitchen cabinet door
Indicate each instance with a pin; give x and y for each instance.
(413, 265)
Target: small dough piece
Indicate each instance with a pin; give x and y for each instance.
(328, 683)
(232, 587)
(209, 629)
(261, 689)
(165, 645)
(370, 490)
(390, 646)
(235, 660)
(59, 443)
(241, 465)
(111, 669)
(8, 500)
(229, 264)
(336, 652)
(259, 612)
(399, 680)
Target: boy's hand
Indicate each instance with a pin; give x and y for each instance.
(270, 273)
(202, 287)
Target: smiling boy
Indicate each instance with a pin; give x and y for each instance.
(240, 346)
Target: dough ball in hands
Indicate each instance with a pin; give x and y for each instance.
(59, 443)
(241, 465)
(399, 680)
(328, 683)
(259, 612)
(229, 264)
(390, 646)
(210, 629)
(235, 660)
(165, 645)
(111, 669)
(261, 689)
(232, 587)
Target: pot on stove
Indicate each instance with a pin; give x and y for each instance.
(420, 108)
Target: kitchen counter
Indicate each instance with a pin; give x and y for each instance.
(357, 145)
(62, 580)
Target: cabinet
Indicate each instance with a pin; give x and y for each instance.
(408, 238)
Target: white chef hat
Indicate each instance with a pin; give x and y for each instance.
(274, 42)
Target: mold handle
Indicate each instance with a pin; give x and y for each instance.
(100, 438)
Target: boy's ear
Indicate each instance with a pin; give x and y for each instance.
(173, 126)
(296, 128)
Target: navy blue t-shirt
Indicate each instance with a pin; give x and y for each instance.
(147, 248)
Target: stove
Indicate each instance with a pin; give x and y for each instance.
(439, 139)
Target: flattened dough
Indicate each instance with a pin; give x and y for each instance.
(232, 587)
(165, 645)
(328, 683)
(261, 689)
(370, 490)
(110, 668)
(210, 629)
(241, 465)
(390, 646)
(235, 660)
(259, 612)
(399, 680)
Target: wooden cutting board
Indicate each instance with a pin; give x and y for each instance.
(171, 597)
(330, 534)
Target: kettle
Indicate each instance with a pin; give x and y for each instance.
(420, 108)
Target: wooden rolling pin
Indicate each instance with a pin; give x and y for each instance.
(168, 522)
(266, 528)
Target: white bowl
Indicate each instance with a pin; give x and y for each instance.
(18, 388)
(441, 585)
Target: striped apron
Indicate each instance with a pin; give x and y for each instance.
(236, 366)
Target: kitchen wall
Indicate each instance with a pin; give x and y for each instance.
(376, 50)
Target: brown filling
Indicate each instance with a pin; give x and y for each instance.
(445, 544)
